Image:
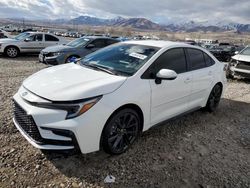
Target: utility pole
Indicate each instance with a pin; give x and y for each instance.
(23, 23)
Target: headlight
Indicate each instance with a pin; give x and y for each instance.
(74, 109)
(56, 53)
(234, 62)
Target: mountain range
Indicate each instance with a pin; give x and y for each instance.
(145, 24)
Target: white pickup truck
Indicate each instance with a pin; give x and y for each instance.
(28, 42)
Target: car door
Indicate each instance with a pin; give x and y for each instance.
(50, 40)
(169, 98)
(202, 76)
(33, 43)
(98, 44)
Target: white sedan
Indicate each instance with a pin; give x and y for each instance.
(28, 42)
(107, 98)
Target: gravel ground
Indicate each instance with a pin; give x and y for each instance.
(198, 150)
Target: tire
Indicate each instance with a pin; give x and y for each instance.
(214, 98)
(120, 132)
(12, 51)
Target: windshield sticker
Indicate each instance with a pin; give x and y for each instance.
(138, 56)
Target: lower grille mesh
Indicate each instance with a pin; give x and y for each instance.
(27, 123)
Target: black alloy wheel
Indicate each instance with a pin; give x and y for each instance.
(214, 98)
(121, 131)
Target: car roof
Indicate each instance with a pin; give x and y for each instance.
(34, 32)
(157, 43)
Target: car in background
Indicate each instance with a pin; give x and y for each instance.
(28, 42)
(77, 48)
(223, 52)
(2, 35)
(108, 98)
(240, 64)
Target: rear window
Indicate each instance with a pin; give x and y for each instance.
(209, 61)
(196, 59)
(50, 38)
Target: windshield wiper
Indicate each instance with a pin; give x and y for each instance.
(101, 68)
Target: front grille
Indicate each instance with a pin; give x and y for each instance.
(26, 122)
(243, 65)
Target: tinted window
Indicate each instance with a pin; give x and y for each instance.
(172, 59)
(109, 42)
(209, 61)
(196, 59)
(99, 43)
(37, 37)
(50, 38)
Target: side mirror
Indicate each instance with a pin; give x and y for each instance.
(237, 52)
(27, 40)
(89, 46)
(165, 74)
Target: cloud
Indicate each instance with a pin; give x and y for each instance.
(160, 11)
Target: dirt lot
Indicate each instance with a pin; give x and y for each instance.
(197, 150)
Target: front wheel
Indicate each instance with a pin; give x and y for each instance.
(214, 98)
(121, 131)
(12, 52)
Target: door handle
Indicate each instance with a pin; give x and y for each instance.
(210, 73)
(187, 80)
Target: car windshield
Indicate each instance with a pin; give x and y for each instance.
(122, 59)
(22, 36)
(246, 51)
(78, 42)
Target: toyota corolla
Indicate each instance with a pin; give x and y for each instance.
(105, 100)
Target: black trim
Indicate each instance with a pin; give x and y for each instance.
(62, 132)
(60, 102)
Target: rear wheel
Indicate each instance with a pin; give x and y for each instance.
(12, 51)
(121, 131)
(214, 98)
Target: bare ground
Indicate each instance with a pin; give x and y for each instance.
(197, 150)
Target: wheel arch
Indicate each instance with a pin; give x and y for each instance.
(130, 106)
(6, 47)
(71, 55)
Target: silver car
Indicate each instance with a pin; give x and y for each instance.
(28, 42)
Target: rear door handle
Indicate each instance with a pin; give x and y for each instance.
(187, 80)
(210, 73)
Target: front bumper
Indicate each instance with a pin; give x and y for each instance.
(240, 72)
(48, 60)
(57, 133)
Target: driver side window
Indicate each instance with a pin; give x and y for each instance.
(99, 43)
(37, 37)
(173, 59)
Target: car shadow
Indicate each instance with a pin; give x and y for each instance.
(22, 57)
(176, 146)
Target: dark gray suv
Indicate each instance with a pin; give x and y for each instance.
(78, 48)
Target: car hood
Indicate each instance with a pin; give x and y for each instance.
(8, 40)
(240, 57)
(58, 48)
(71, 82)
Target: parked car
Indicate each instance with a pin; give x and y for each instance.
(2, 35)
(110, 96)
(223, 53)
(77, 48)
(240, 64)
(28, 42)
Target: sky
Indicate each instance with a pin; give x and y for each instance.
(160, 11)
